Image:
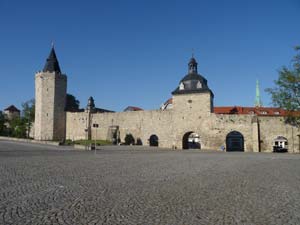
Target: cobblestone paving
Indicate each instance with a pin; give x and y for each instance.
(56, 185)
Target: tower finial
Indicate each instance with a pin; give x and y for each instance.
(52, 44)
(193, 51)
(193, 65)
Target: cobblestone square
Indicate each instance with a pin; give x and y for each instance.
(42, 184)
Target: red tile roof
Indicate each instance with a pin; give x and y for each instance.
(169, 101)
(265, 111)
(132, 108)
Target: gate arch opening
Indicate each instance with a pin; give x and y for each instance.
(280, 144)
(191, 140)
(235, 142)
(153, 140)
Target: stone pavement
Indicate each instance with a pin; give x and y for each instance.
(56, 185)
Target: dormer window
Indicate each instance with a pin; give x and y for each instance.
(199, 85)
(181, 86)
(276, 113)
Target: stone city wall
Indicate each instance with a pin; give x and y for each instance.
(190, 113)
(170, 127)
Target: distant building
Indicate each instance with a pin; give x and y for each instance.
(11, 112)
(132, 108)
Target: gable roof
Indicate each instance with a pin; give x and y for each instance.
(12, 108)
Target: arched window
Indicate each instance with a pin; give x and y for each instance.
(181, 86)
(199, 85)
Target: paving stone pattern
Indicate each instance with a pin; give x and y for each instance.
(57, 185)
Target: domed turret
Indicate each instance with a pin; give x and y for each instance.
(192, 82)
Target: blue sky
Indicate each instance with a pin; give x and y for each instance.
(134, 52)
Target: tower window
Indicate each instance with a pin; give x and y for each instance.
(199, 85)
(181, 86)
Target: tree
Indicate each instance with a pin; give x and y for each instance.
(2, 123)
(286, 93)
(28, 114)
(72, 104)
(18, 127)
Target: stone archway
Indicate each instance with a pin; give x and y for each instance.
(191, 140)
(153, 140)
(234, 142)
(280, 144)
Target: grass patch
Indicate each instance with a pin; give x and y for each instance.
(88, 142)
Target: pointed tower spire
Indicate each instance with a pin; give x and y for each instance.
(258, 102)
(52, 64)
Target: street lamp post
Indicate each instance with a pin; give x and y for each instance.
(86, 134)
(298, 143)
(95, 125)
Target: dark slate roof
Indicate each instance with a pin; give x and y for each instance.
(52, 64)
(99, 110)
(12, 108)
(193, 61)
(191, 81)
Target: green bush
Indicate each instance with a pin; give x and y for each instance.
(129, 139)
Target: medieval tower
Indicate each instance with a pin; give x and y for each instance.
(193, 93)
(50, 99)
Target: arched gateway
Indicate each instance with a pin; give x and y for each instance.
(191, 140)
(234, 141)
(153, 140)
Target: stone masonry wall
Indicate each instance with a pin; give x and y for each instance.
(50, 92)
(59, 130)
(76, 126)
(272, 127)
